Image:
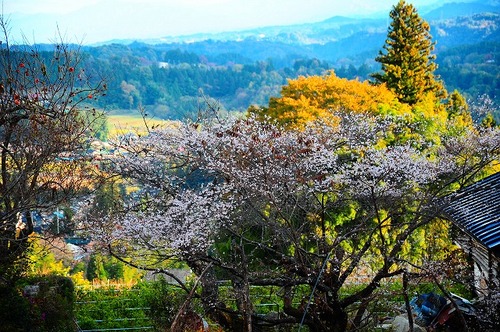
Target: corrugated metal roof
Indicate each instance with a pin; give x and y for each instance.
(476, 209)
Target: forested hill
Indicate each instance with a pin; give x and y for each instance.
(238, 69)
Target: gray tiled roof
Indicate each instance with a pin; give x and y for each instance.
(476, 209)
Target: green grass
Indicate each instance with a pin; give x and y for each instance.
(108, 308)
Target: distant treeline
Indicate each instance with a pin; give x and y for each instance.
(172, 83)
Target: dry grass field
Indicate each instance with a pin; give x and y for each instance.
(121, 124)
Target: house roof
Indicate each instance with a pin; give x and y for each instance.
(476, 209)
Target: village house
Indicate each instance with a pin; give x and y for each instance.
(475, 211)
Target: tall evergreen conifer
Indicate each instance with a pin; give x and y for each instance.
(407, 63)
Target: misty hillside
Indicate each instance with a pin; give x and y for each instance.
(239, 69)
(339, 37)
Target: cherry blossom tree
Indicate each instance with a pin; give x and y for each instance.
(302, 212)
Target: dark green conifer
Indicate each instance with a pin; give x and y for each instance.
(408, 63)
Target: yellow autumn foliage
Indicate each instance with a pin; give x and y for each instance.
(307, 99)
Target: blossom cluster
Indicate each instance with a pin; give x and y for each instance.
(197, 180)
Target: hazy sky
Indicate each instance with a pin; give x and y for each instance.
(90, 21)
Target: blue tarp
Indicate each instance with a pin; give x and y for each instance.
(426, 307)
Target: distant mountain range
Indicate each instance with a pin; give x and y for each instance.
(168, 76)
(340, 38)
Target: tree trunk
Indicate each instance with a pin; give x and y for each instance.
(334, 321)
(210, 293)
(338, 321)
(407, 301)
(242, 292)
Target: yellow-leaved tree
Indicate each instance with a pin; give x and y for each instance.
(307, 99)
(322, 98)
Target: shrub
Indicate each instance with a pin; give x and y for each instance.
(164, 301)
(52, 308)
(14, 309)
(38, 304)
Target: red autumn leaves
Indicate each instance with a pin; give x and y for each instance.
(24, 68)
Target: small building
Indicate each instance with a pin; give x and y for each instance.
(475, 211)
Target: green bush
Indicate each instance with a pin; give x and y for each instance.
(164, 301)
(48, 308)
(52, 308)
(14, 308)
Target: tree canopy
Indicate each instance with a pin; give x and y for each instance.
(44, 133)
(308, 99)
(408, 63)
(301, 210)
